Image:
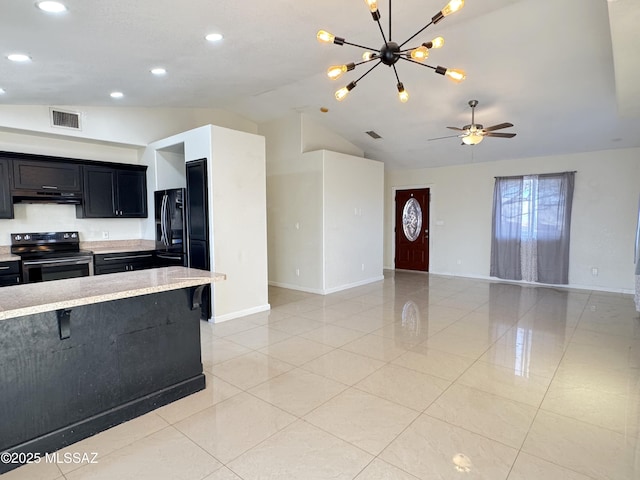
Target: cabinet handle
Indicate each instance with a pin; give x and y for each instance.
(4, 268)
(50, 187)
(126, 257)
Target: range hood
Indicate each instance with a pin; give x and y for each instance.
(39, 196)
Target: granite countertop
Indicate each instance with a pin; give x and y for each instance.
(31, 298)
(6, 255)
(118, 246)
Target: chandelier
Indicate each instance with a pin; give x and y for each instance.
(391, 52)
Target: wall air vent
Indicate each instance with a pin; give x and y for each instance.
(65, 119)
(373, 134)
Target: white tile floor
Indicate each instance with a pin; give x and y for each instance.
(416, 377)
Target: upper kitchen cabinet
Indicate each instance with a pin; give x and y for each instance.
(46, 176)
(111, 192)
(6, 205)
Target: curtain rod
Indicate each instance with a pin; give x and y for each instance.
(537, 174)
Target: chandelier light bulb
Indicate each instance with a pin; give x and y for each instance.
(325, 37)
(403, 95)
(437, 42)
(366, 56)
(455, 75)
(334, 72)
(420, 54)
(452, 7)
(344, 91)
(372, 4)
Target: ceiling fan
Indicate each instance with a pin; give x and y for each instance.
(474, 133)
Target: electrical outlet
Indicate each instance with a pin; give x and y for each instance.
(594, 271)
(105, 235)
(297, 272)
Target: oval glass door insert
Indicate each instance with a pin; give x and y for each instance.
(412, 219)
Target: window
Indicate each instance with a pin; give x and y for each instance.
(531, 227)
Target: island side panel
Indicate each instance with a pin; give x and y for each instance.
(122, 358)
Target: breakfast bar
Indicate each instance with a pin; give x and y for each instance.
(81, 355)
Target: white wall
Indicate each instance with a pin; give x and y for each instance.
(353, 206)
(603, 224)
(304, 189)
(237, 180)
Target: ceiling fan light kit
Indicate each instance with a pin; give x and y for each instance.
(391, 52)
(474, 133)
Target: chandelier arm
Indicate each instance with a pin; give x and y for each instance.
(367, 72)
(362, 46)
(382, 32)
(396, 72)
(417, 33)
(417, 63)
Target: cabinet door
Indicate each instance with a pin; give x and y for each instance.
(51, 175)
(6, 205)
(99, 192)
(132, 193)
(197, 200)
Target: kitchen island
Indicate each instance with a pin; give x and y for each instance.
(81, 355)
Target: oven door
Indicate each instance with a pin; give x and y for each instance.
(43, 270)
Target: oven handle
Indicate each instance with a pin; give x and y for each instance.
(73, 261)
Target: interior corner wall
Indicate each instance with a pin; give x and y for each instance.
(237, 180)
(295, 196)
(603, 222)
(353, 206)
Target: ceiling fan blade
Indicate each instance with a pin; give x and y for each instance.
(498, 127)
(500, 135)
(456, 128)
(440, 138)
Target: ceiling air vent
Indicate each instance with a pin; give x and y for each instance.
(65, 119)
(373, 134)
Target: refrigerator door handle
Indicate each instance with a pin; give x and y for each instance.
(163, 220)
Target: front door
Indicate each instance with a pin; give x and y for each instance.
(412, 229)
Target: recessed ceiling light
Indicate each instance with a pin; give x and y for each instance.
(51, 7)
(19, 57)
(2, 92)
(214, 37)
(159, 71)
(117, 94)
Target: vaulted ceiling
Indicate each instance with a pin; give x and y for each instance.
(565, 73)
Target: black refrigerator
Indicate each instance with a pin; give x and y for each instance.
(171, 229)
(197, 225)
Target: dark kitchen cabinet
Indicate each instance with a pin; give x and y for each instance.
(9, 273)
(6, 205)
(111, 192)
(50, 176)
(123, 261)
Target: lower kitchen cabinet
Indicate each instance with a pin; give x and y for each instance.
(123, 262)
(9, 273)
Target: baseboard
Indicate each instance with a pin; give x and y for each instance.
(239, 313)
(327, 291)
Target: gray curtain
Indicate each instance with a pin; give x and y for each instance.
(531, 227)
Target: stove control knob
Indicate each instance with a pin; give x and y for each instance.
(66, 235)
(74, 235)
(18, 238)
(27, 237)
